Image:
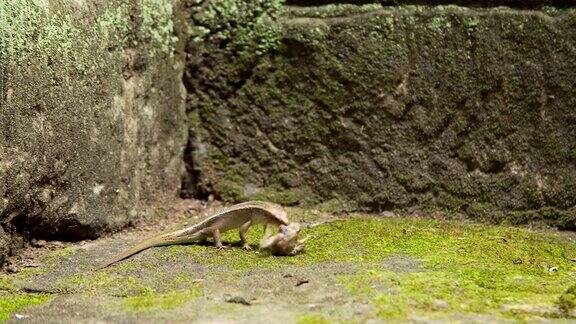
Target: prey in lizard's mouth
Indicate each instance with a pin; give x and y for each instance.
(286, 242)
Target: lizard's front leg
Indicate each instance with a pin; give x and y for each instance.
(243, 230)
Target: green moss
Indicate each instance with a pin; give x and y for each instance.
(12, 302)
(567, 301)
(247, 28)
(439, 23)
(495, 252)
(468, 269)
(333, 10)
(50, 260)
(57, 255)
(438, 293)
(104, 282)
(471, 22)
(231, 187)
(480, 211)
(312, 319)
(114, 26)
(194, 122)
(307, 31)
(33, 30)
(320, 108)
(6, 285)
(545, 216)
(151, 301)
(447, 202)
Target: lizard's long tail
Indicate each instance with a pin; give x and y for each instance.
(160, 240)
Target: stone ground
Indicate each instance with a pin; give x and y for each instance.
(367, 268)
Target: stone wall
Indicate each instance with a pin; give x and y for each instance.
(92, 121)
(470, 110)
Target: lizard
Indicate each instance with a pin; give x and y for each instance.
(240, 216)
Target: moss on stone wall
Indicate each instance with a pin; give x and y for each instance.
(246, 28)
(239, 33)
(464, 109)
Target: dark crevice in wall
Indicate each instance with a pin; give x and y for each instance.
(191, 180)
(519, 4)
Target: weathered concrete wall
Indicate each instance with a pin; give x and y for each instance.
(92, 119)
(466, 109)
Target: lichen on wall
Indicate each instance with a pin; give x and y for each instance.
(157, 26)
(48, 32)
(92, 113)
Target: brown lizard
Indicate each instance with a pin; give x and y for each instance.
(240, 216)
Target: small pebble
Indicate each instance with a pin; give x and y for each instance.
(388, 214)
(237, 300)
(39, 243)
(300, 282)
(441, 304)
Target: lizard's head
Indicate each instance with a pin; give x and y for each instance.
(285, 242)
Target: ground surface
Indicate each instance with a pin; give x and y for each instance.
(368, 267)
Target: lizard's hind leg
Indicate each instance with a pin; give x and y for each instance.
(218, 240)
(243, 230)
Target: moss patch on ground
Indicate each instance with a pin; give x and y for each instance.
(12, 302)
(370, 240)
(567, 302)
(451, 269)
(151, 301)
(468, 268)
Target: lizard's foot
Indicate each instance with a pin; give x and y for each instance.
(246, 247)
(223, 247)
